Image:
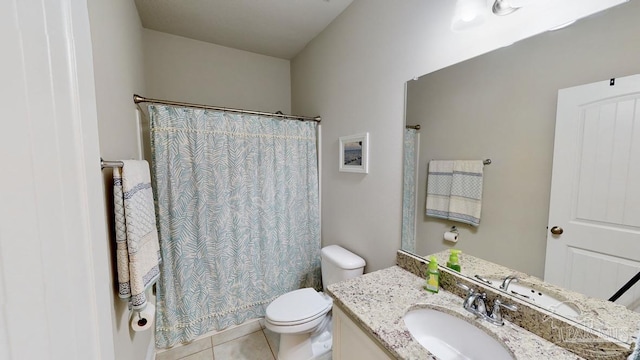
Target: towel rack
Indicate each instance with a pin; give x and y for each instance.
(110, 164)
(486, 161)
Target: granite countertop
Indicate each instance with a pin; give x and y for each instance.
(607, 317)
(377, 302)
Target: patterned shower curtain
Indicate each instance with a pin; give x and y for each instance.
(238, 216)
(409, 191)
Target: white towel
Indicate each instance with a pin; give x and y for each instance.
(137, 247)
(454, 190)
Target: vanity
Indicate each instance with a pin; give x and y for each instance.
(371, 312)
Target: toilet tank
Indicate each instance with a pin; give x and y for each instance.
(339, 264)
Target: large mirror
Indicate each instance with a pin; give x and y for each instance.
(502, 106)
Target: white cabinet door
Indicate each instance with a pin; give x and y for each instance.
(352, 343)
(595, 190)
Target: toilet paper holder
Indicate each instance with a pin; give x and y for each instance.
(451, 235)
(141, 321)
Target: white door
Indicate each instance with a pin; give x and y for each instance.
(54, 289)
(595, 190)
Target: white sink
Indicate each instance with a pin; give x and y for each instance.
(539, 298)
(451, 338)
(543, 300)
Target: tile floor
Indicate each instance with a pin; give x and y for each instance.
(249, 341)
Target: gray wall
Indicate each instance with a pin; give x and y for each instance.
(502, 106)
(116, 35)
(353, 74)
(182, 69)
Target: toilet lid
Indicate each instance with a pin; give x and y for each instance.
(297, 306)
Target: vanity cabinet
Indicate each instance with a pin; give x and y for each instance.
(350, 342)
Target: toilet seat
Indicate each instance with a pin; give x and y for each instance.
(298, 307)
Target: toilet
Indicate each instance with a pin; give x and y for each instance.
(303, 317)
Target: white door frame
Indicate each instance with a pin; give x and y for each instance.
(55, 292)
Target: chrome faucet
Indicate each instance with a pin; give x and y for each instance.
(507, 281)
(476, 303)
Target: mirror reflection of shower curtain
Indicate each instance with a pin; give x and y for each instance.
(238, 216)
(409, 193)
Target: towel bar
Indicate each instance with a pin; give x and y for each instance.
(110, 164)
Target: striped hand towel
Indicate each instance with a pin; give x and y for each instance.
(466, 192)
(454, 190)
(137, 248)
(439, 181)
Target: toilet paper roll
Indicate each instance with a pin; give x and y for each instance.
(141, 321)
(451, 236)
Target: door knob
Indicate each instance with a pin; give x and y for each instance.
(557, 230)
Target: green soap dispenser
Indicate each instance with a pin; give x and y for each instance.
(453, 262)
(433, 276)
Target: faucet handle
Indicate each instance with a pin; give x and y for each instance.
(496, 315)
(483, 279)
(497, 304)
(465, 288)
(511, 307)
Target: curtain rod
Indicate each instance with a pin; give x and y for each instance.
(415, 127)
(141, 99)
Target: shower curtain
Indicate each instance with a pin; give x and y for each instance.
(238, 216)
(408, 243)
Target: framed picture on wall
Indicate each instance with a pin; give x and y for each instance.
(354, 153)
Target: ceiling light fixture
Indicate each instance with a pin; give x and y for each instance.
(468, 14)
(503, 7)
